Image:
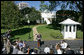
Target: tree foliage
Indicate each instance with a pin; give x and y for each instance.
(10, 15)
(43, 6)
(32, 13)
(71, 5)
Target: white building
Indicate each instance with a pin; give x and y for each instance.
(48, 16)
(22, 5)
(69, 28)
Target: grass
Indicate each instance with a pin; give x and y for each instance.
(22, 33)
(49, 34)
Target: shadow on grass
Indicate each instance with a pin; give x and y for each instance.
(55, 27)
(21, 31)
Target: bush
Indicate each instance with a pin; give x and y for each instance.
(79, 34)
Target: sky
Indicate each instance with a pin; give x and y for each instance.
(35, 4)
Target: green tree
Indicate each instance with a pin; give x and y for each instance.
(31, 14)
(34, 14)
(43, 6)
(10, 15)
(71, 5)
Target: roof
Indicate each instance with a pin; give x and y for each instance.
(69, 21)
(46, 10)
(23, 3)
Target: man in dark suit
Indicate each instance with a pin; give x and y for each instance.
(69, 51)
(39, 39)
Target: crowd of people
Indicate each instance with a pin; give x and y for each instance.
(20, 47)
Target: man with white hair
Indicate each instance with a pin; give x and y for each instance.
(47, 49)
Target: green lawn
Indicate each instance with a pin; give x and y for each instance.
(46, 32)
(51, 34)
(22, 33)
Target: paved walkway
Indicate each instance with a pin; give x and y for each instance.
(74, 44)
(35, 32)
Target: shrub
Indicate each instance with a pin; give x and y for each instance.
(79, 34)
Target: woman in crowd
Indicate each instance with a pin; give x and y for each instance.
(63, 44)
(51, 51)
(20, 51)
(58, 49)
(15, 48)
(28, 50)
(20, 45)
(81, 50)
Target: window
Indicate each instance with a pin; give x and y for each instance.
(70, 29)
(66, 28)
(74, 28)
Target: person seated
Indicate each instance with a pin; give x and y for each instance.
(47, 49)
(69, 51)
(51, 51)
(20, 51)
(15, 49)
(24, 48)
(81, 50)
(20, 45)
(63, 44)
(33, 51)
(58, 49)
(36, 50)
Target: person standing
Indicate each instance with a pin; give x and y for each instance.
(39, 40)
(8, 46)
(9, 34)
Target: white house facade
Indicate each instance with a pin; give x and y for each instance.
(48, 16)
(22, 5)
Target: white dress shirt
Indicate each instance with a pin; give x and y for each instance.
(64, 45)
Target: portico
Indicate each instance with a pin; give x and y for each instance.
(69, 28)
